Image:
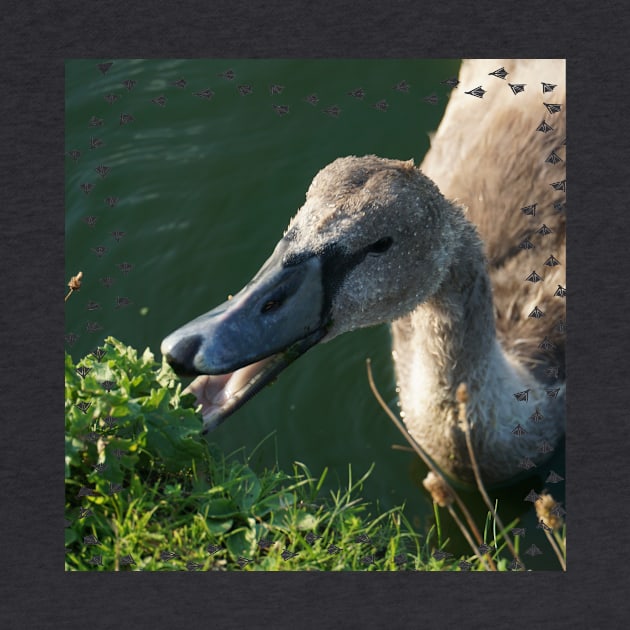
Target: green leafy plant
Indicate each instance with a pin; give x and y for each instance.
(145, 490)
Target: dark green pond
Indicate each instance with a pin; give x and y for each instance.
(205, 188)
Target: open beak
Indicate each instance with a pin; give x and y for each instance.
(243, 344)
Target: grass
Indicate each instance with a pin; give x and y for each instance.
(145, 491)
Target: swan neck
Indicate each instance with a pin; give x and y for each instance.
(451, 339)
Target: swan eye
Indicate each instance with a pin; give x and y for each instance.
(270, 305)
(380, 246)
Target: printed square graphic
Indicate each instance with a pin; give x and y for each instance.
(233, 217)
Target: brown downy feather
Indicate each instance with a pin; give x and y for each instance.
(489, 157)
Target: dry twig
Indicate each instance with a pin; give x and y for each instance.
(446, 488)
(462, 399)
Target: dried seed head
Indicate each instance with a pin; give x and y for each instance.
(438, 489)
(75, 281)
(548, 511)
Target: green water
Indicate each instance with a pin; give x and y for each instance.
(205, 189)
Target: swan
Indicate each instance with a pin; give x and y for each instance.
(463, 257)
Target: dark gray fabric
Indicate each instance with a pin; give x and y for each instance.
(36, 38)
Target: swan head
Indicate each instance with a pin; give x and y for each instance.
(372, 241)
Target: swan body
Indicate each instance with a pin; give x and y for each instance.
(438, 253)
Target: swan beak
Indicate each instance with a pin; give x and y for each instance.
(243, 344)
